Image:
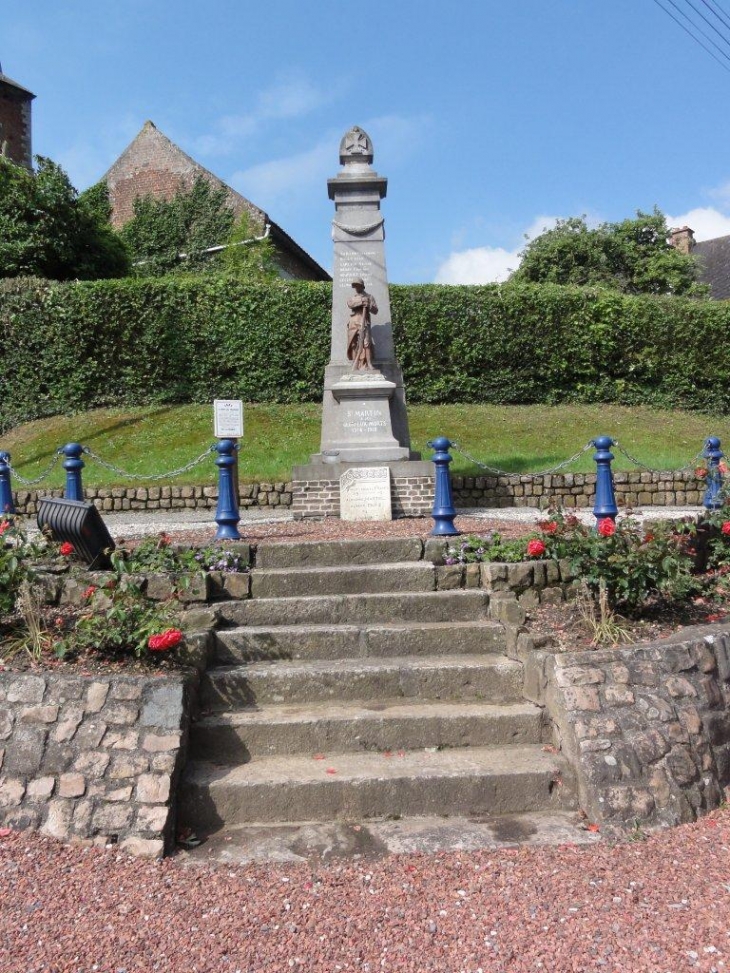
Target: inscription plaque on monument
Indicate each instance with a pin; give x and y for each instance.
(365, 494)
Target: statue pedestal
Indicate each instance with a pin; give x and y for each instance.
(357, 424)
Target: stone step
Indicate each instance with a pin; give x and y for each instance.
(431, 606)
(323, 841)
(491, 678)
(343, 579)
(471, 781)
(327, 728)
(308, 554)
(251, 644)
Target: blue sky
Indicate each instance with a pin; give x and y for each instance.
(490, 119)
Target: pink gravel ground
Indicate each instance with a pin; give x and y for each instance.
(332, 528)
(659, 905)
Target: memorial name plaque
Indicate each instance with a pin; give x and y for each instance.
(365, 494)
(228, 418)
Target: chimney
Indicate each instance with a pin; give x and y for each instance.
(682, 239)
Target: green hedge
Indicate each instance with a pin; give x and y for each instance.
(72, 347)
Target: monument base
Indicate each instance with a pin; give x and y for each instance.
(316, 487)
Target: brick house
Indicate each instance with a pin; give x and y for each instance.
(15, 121)
(713, 257)
(153, 165)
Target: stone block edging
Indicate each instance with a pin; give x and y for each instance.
(412, 497)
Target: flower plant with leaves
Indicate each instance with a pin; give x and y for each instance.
(491, 547)
(117, 620)
(623, 563)
(159, 554)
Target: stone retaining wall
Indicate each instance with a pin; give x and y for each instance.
(412, 496)
(94, 758)
(646, 727)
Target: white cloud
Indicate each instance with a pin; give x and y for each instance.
(291, 97)
(706, 221)
(482, 265)
(271, 180)
(488, 265)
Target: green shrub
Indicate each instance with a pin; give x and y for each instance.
(73, 347)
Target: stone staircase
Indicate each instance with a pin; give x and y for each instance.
(347, 688)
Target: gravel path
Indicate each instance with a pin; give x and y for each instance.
(645, 907)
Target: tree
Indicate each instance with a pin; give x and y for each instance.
(633, 256)
(47, 230)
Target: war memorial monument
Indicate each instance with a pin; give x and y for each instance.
(365, 469)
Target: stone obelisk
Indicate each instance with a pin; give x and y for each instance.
(364, 419)
(363, 410)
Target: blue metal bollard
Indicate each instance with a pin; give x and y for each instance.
(605, 502)
(73, 464)
(713, 498)
(226, 514)
(6, 492)
(443, 511)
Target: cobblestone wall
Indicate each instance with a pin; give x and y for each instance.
(93, 758)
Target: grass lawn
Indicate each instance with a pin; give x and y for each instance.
(519, 439)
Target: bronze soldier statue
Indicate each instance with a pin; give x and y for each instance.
(359, 337)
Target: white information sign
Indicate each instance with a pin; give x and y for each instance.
(228, 418)
(365, 494)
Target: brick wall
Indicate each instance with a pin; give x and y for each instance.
(411, 496)
(153, 165)
(15, 119)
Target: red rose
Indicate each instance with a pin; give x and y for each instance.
(606, 527)
(700, 472)
(548, 526)
(648, 538)
(726, 527)
(167, 640)
(90, 591)
(66, 549)
(536, 549)
(5, 525)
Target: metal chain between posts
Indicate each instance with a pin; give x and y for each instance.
(491, 469)
(643, 466)
(36, 479)
(149, 476)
